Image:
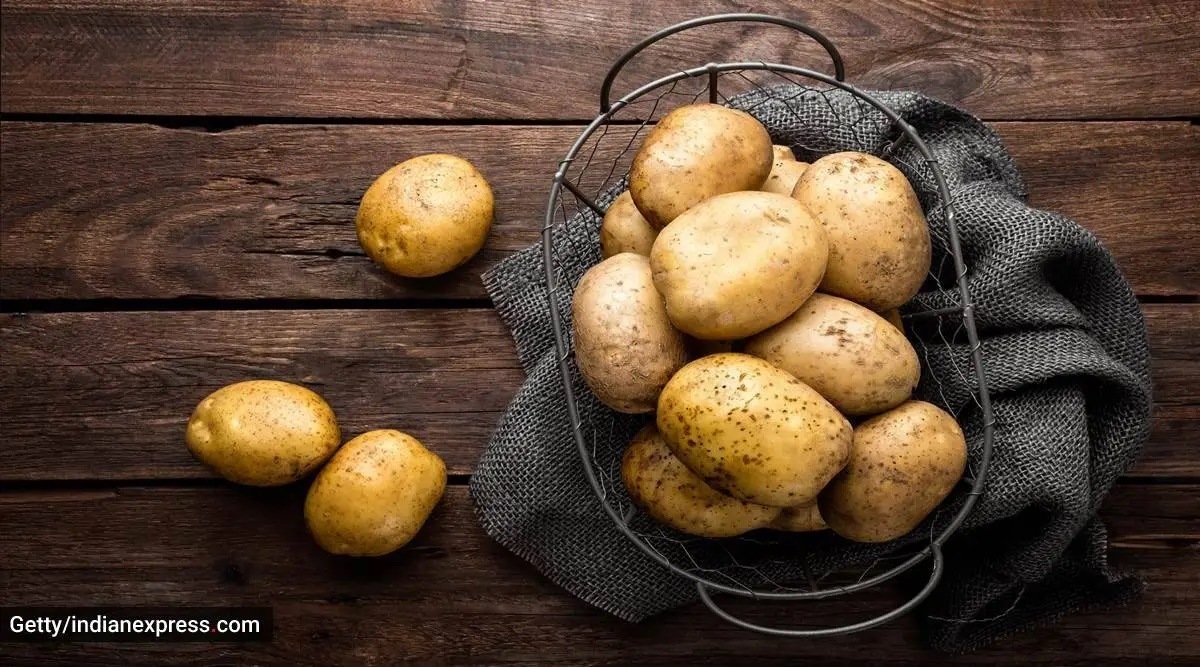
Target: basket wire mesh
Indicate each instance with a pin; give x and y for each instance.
(764, 565)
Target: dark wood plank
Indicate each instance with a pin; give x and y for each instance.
(453, 596)
(268, 211)
(106, 395)
(539, 59)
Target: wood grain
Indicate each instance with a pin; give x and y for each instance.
(545, 59)
(106, 395)
(267, 211)
(453, 596)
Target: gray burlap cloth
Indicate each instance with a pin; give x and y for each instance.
(1067, 364)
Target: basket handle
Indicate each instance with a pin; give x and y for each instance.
(935, 576)
(606, 88)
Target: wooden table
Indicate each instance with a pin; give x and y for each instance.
(179, 184)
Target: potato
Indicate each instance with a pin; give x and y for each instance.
(801, 519)
(893, 317)
(263, 432)
(625, 346)
(425, 216)
(374, 495)
(903, 463)
(693, 153)
(752, 431)
(625, 230)
(738, 263)
(673, 495)
(783, 176)
(702, 348)
(852, 356)
(879, 250)
(782, 152)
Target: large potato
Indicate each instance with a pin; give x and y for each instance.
(903, 463)
(625, 230)
(800, 519)
(375, 494)
(263, 432)
(425, 216)
(752, 431)
(625, 346)
(693, 153)
(853, 357)
(879, 248)
(673, 495)
(738, 263)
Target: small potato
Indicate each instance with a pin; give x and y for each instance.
(702, 348)
(263, 432)
(903, 463)
(801, 519)
(782, 152)
(752, 431)
(853, 357)
(879, 249)
(738, 263)
(783, 177)
(425, 216)
(693, 153)
(625, 230)
(625, 346)
(673, 495)
(374, 495)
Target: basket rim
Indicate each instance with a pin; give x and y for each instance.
(933, 549)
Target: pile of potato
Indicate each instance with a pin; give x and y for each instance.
(748, 300)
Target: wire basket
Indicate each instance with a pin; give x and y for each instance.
(763, 565)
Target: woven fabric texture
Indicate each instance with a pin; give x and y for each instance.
(1067, 365)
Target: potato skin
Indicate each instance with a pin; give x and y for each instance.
(783, 176)
(879, 248)
(738, 263)
(374, 495)
(779, 152)
(425, 216)
(673, 495)
(625, 346)
(263, 432)
(904, 462)
(800, 519)
(893, 318)
(856, 359)
(625, 230)
(693, 153)
(752, 431)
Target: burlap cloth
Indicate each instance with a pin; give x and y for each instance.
(1067, 364)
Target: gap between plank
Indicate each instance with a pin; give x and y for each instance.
(184, 304)
(218, 124)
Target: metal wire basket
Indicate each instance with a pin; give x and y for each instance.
(763, 565)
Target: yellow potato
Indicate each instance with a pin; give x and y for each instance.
(738, 263)
(625, 346)
(673, 495)
(702, 348)
(801, 519)
(425, 216)
(782, 153)
(879, 249)
(263, 432)
(852, 356)
(752, 431)
(374, 495)
(903, 463)
(693, 153)
(625, 230)
(783, 177)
